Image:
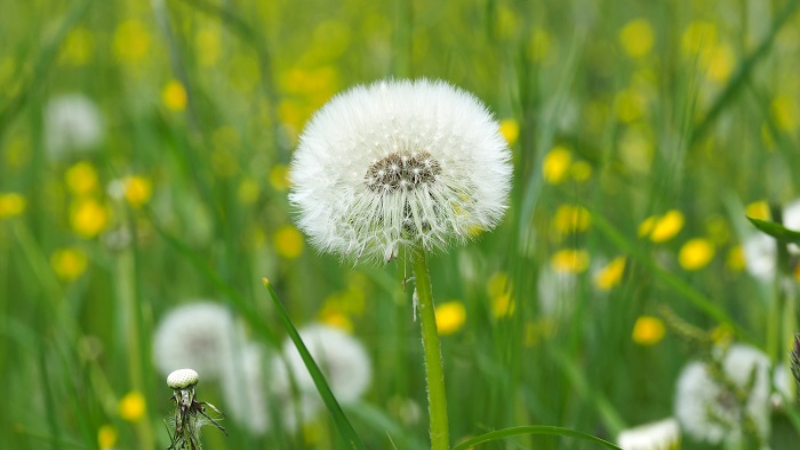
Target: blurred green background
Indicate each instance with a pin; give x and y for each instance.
(642, 132)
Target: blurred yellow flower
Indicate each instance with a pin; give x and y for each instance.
(539, 45)
(81, 178)
(208, 46)
(78, 47)
(663, 228)
(11, 204)
(555, 167)
(107, 437)
(248, 191)
(637, 38)
(503, 305)
(174, 95)
(722, 335)
(542, 329)
(506, 21)
(757, 210)
(137, 190)
(698, 37)
(450, 317)
(337, 320)
(279, 177)
(696, 254)
(131, 41)
(610, 275)
(736, 260)
(288, 242)
(570, 260)
(571, 219)
(717, 230)
(132, 406)
(69, 263)
(17, 151)
(498, 284)
(721, 62)
(581, 171)
(88, 217)
(630, 105)
(784, 112)
(648, 330)
(509, 128)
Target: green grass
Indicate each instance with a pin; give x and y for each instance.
(704, 144)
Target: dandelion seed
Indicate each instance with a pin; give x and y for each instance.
(190, 414)
(399, 163)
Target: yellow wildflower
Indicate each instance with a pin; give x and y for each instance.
(637, 38)
(207, 42)
(174, 95)
(722, 335)
(571, 219)
(498, 284)
(648, 330)
(570, 260)
(535, 332)
(132, 406)
(337, 320)
(81, 178)
(721, 62)
(509, 128)
(630, 105)
(88, 217)
(131, 41)
(698, 38)
(696, 254)
(288, 242)
(503, 305)
(279, 177)
(137, 190)
(107, 437)
(610, 275)
(539, 45)
(69, 263)
(736, 260)
(581, 171)
(450, 317)
(757, 210)
(248, 191)
(663, 228)
(784, 112)
(78, 47)
(556, 164)
(11, 204)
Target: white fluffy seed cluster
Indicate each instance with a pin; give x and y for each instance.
(710, 412)
(761, 250)
(72, 124)
(662, 435)
(182, 378)
(398, 163)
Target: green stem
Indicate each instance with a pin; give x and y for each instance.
(437, 400)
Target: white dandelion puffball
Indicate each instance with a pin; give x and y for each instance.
(708, 411)
(243, 387)
(761, 250)
(294, 409)
(399, 163)
(200, 335)
(72, 123)
(340, 357)
(662, 435)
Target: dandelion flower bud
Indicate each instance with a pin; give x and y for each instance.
(399, 163)
(182, 378)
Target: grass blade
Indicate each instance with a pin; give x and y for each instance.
(532, 429)
(776, 230)
(342, 424)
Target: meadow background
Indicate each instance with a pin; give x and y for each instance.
(642, 133)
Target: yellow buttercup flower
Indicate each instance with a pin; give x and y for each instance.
(785, 112)
(78, 47)
(450, 317)
(757, 210)
(648, 330)
(637, 38)
(570, 260)
(499, 289)
(539, 46)
(721, 62)
(571, 219)
(279, 177)
(132, 407)
(137, 190)
(581, 171)
(696, 254)
(288, 242)
(81, 178)
(698, 38)
(610, 275)
(248, 191)
(107, 437)
(736, 260)
(337, 320)
(88, 217)
(69, 263)
(509, 128)
(11, 204)
(174, 95)
(722, 335)
(630, 105)
(209, 48)
(131, 42)
(663, 228)
(555, 166)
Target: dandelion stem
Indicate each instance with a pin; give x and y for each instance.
(437, 400)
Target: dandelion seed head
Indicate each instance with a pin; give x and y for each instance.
(243, 387)
(182, 378)
(662, 435)
(72, 124)
(398, 163)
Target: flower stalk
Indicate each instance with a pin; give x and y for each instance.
(434, 375)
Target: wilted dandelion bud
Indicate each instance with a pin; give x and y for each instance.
(190, 414)
(399, 163)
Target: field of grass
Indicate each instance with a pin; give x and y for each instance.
(144, 164)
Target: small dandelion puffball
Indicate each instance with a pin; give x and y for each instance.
(761, 250)
(661, 435)
(72, 123)
(243, 386)
(182, 378)
(342, 359)
(199, 335)
(294, 409)
(399, 163)
(708, 411)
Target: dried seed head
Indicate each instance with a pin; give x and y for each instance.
(402, 172)
(182, 378)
